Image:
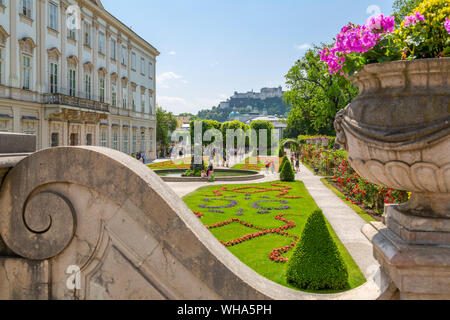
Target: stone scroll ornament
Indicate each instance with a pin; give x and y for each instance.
(44, 228)
(397, 131)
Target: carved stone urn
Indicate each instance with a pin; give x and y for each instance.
(397, 135)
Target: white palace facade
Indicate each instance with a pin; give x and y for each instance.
(89, 85)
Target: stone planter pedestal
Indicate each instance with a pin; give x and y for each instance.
(397, 135)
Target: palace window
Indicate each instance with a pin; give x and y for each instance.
(150, 69)
(73, 34)
(125, 97)
(134, 142)
(72, 82)
(133, 61)
(89, 139)
(87, 34)
(53, 17)
(55, 139)
(124, 56)
(143, 66)
(134, 99)
(113, 49)
(26, 8)
(114, 95)
(101, 43)
(1, 65)
(143, 141)
(143, 102)
(53, 77)
(102, 89)
(115, 140)
(151, 140)
(26, 72)
(87, 85)
(104, 141)
(125, 142)
(73, 139)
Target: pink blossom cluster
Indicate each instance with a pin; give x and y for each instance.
(355, 38)
(413, 19)
(447, 25)
(381, 24)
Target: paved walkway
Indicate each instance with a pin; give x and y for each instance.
(346, 223)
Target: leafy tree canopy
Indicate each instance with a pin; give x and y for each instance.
(165, 122)
(315, 95)
(402, 8)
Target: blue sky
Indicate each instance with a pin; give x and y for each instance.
(211, 48)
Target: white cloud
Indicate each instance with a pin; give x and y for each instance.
(164, 79)
(172, 53)
(174, 104)
(302, 47)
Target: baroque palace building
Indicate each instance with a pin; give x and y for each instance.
(87, 82)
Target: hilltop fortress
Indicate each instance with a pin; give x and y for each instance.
(265, 93)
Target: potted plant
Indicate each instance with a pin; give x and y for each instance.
(401, 114)
(397, 131)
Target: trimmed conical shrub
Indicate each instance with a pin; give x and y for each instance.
(316, 263)
(285, 159)
(287, 173)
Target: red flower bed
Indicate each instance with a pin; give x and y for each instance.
(276, 254)
(283, 189)
(358, 190)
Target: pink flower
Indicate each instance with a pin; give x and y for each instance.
(447, 25)
(413, 19)
(381, 23)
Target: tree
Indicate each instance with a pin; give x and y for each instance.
(316, 263)
(315, 96)
(206, 125)
(261, 125)
(165, 122)
(402, 8)
(283, 162)
(234, 125)
(287, 172)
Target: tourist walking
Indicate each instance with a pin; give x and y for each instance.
(272, 166)
(297, 164)
(267, 166)
(144, 157)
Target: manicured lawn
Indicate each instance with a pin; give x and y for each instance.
(255, 251)
(217, 174)
(181, 164)
(258, 164)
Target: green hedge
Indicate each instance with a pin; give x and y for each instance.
(316, 263)
(287, 173)
(283, 162)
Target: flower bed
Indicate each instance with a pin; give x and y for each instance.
(168, 165)
(357, 190)
(262, 241)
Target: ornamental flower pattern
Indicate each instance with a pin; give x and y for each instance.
(276, 255)
(231, 204)
(257, 206)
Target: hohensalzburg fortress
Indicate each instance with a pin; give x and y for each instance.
(264, 94)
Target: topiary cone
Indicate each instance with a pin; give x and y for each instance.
(316, 263)
(285, 159)
(287, 173)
